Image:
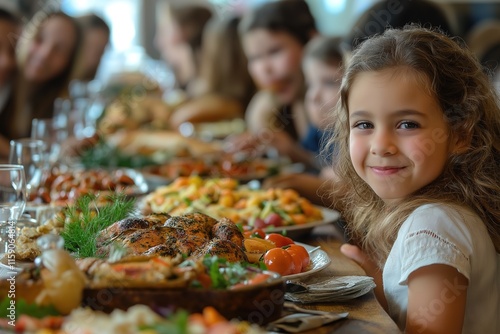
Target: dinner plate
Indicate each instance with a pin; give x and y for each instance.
(296, 231)
(319, 260)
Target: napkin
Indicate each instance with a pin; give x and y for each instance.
(299, 322)
(330, 289)
(303, 319)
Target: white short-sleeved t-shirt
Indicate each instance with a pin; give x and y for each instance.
(441, 234)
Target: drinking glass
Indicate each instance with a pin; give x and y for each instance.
(53, 132)
(12, 203)
(29, 153)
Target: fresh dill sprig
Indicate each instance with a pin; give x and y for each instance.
(85, 219)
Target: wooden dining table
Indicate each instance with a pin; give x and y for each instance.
(365, 313)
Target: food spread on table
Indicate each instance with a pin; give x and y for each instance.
(206, 247)
(225, 165)
(59, 187)
(225, 197)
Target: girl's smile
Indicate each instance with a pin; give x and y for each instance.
(398, 134)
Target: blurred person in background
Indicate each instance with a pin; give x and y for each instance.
(46, 56)
(224, 87)
(387, 13)
(96, 36)
(178, 38)
(273, 36)
(484, 41)
(10, 30)
(323, 62)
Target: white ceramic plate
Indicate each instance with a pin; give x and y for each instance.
(319, 261)
(295, 231)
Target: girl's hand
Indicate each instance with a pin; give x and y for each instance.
(370, 268)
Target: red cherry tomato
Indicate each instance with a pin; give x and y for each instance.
(279, 261)
(259, 223)
(278, 239)
(299, 255)
(273, 219)
(255, 233)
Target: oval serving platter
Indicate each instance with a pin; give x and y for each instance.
(261, 303)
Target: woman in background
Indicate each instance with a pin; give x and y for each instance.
(10, 30)
(179, 30)
(224, 86)
(47, 51)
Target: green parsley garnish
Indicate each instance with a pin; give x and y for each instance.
(85, 220)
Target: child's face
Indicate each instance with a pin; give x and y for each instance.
(398, 134)
(9, 34)
(274, 62)
(51, 50)
(323, 85)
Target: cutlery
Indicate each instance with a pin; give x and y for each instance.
(314, 249)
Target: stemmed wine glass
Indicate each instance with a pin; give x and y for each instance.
(30, 154)
(12, 203)
(53, 131)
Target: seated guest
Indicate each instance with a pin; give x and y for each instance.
(224, 86)
(273, 44)
(46, 58)
(10, 29)
(178, 37)
(323, 68)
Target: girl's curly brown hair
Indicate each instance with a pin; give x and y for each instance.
(470, 106)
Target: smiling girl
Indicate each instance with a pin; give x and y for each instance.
(418, 144)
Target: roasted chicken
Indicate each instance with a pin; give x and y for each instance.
(193, 234)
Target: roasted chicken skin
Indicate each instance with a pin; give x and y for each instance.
(222, 248)
(129, 225)
(225, 229)
(142, 240)
(193, 223)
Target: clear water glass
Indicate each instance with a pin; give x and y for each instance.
(12, 204)
(54, 132)
(29, 153)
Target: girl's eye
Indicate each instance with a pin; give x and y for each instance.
(363, 125)
(408, 125)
